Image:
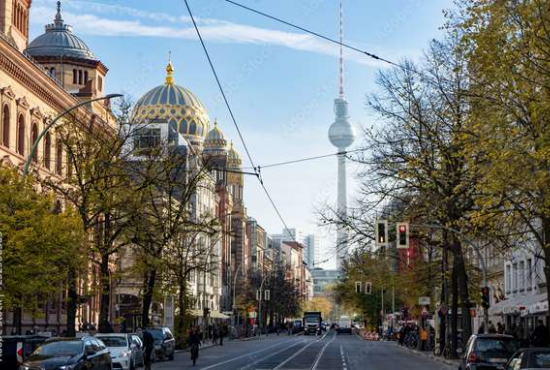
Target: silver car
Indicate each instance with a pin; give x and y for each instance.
(126, 350)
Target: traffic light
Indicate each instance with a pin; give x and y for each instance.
(485, 297)
(358, 287)
(381, 233)
(402, 235)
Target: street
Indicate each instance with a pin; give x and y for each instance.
(332, 352)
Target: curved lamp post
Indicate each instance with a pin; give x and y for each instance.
(54, 121)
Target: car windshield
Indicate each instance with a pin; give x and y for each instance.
(312, 319)
(542, 360)
(60, 348)
(114, 341)
(490, 347)
(157, 334)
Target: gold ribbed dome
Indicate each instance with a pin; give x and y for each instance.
(234, 159)
(175, 105)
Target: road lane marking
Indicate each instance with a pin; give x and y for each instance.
(247, 355)
(271, 355)
(294, 355)
(316, 363)
(344, 366)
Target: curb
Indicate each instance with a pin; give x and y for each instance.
(431, 356)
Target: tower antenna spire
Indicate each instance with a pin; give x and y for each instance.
(341, 49)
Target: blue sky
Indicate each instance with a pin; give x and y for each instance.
(280, 82)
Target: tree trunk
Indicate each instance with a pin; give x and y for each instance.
(454, 309)
(462, 280)
(104, 308)
(72, 298)
(149, 286)
(180, 330)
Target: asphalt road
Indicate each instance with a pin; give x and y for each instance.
(332, 352)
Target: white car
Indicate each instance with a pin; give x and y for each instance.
(126, 350)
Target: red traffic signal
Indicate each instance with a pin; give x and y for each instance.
(485, 297)
(403, 235)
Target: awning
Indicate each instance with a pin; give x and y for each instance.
(540, 305)
(218, 315)
(213, 314)
(517, 304)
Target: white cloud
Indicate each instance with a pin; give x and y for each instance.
(179, 28)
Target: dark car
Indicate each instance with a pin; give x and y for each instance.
(69, 354)
(165, 344)
(488, 352)
(530, 358)
(16, 348)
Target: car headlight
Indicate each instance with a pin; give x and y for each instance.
(125, 354)
(66, 367)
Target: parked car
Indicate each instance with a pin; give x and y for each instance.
(16, 348)
(530, 358)
(165, 344)
(488, 352)
(126, 350)
(70, 354)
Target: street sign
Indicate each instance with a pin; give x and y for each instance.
(228, 313)
(424, 301)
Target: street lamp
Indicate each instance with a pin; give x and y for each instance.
(54, 121)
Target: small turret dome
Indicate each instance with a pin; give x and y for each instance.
(215, 140)
(234, 159)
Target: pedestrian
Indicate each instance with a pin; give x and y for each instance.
(223, 332)
(540, 335)
(492, 329)
(148, 344)
(215, 333)
(194, 344)
(500, 328)
(481, 329)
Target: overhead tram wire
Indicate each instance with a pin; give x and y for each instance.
(309, 159)
(326, 38)
(241, 137)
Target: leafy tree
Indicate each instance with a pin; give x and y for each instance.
(41, 244)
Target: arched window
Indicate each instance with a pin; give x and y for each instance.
(34, 136)
(59, 156)
(192, 128)
(52, 72)
(21, 135)
(47, 151)
(80, 77)
(6, 126)
(85, 77)
(69, 165)
(75, 78)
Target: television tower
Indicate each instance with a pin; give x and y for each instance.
(341, 134)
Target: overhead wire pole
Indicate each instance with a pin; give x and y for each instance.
(241, 137)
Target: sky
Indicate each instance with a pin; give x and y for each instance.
(280, 82)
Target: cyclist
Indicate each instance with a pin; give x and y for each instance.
(194, 344)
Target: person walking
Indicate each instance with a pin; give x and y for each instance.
(540, 335)
(223, 332)
(194, 344)
(215, 333)
(148, 344)
(492, 329)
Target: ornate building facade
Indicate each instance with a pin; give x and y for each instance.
(36, 84)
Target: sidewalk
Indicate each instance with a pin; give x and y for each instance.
(431, 356)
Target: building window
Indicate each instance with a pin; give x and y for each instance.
(21, 136)
(34, 136)
(522, 276)
(52, 72)
(508, 279)
(75, 76)
(529, 274)
(515, 277)
(59, 156)
(69, 165)
(6, 126)
(85, 77)
(47, 151)
(146, 139)
(99, 83)
(80, 77)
